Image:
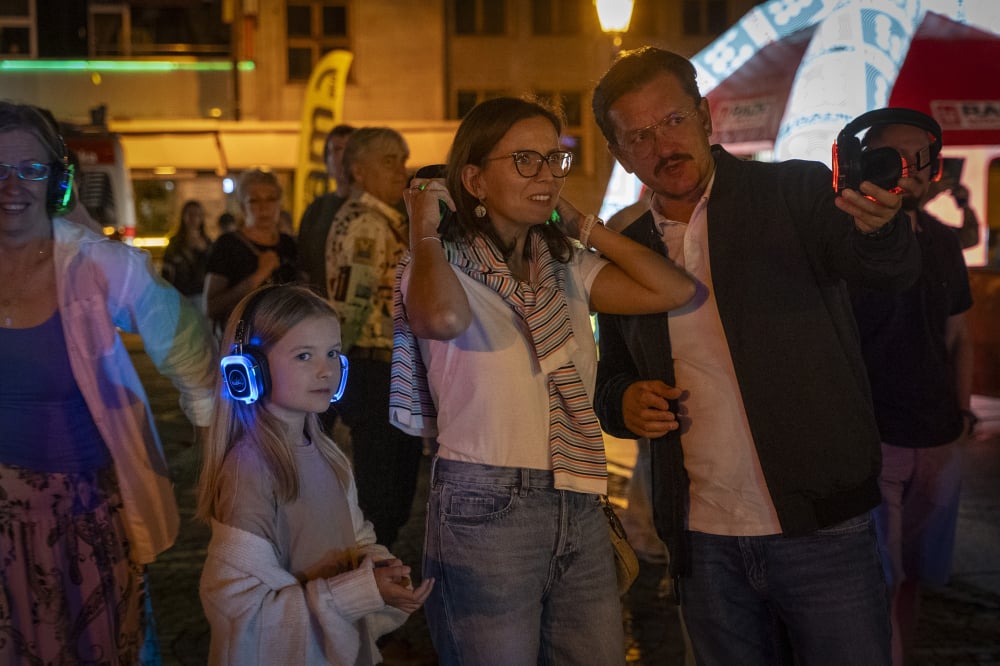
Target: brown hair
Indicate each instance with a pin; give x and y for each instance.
(253, 177)
(480, 131)
(634, 69)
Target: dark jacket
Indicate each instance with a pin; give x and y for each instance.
(904, 340)
(313, 231)
(780, 255)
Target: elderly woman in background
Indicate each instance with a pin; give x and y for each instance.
(364, 245)
(85, 497)
(495, 355)
(242, 260)
(186, 255)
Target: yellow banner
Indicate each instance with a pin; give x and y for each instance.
(322, 111)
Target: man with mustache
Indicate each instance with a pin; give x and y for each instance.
(765, 449)
(918, 351)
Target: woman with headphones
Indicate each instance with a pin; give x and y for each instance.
(85, 495)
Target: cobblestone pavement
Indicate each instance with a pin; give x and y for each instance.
(959, 624)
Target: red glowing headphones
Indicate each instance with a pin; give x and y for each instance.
(854, 162)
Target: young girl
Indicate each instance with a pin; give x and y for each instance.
(293, 573)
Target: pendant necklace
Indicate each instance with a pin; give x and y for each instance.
(7, 303)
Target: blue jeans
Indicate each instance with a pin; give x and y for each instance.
(760, 600)
(524, 572)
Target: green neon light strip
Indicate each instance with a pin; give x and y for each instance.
(120, 66)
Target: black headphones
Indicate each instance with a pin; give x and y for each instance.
(59, 193)
(244, 370)
(853, 162)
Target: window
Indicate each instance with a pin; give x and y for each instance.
(163, 28)
(556, 17)
(704, 17)
(314, 28)
(109, 27)
(18, 38)
(571, 104)
(479, 17)
(466, 99)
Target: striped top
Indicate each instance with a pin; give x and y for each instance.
(539, 324)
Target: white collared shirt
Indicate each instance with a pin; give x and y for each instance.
(728, 493)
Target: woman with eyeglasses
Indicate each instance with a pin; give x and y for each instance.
(85, 495)
(495, 355)
(254, 254)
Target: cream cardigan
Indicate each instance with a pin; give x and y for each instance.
(262, 614)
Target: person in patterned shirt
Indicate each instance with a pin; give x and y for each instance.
(367, 239)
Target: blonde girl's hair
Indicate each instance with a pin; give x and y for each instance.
(274, 310)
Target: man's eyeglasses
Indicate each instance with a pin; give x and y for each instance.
(25, 170)
(641, 142)
(529, 162)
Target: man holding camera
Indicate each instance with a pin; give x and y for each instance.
(918, 352)
(765, 450)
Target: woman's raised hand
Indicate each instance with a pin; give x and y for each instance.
(570, 219)
(422, 205)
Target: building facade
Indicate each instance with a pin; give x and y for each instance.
(199, 90)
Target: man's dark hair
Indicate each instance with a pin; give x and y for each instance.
(634, 69)
(339, 130)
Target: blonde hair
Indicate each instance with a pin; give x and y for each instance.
(267, 313)
(254, 177)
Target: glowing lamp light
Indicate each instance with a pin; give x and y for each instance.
(614, 15)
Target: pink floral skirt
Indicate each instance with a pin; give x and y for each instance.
(70, 594)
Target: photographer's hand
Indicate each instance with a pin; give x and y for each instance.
(961, 195)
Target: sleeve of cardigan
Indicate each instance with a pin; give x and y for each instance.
(887, 262)
(248, 597)
(176, 337)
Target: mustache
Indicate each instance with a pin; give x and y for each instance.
(671, 160)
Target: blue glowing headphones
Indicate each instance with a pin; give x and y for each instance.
(244, 371)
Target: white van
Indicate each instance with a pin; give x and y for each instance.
(103, 183)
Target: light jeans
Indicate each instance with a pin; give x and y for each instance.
(757, 600)
(918, 516)
(524, 573)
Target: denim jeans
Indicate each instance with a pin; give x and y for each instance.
(918, 516)
(760, 600)
(524, 572)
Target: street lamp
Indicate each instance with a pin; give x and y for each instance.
(614, 16)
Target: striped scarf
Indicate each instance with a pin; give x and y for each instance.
(575, 440)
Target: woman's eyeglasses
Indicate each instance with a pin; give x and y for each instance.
(25, 170)
(529, 162)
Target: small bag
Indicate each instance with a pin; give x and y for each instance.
(626, 562)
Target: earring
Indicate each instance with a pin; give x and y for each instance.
(480, 210)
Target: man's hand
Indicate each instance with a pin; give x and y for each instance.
(873, 207)
(645, 408)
